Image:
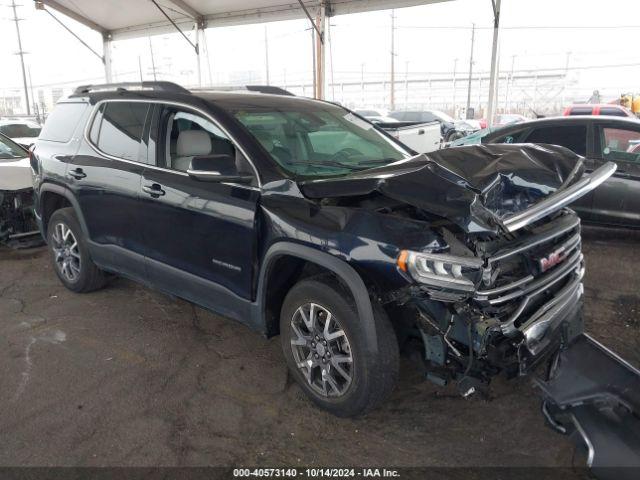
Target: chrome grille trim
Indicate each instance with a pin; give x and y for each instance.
(541, 282)
(536, 240)
(569, 245)
(509, 328)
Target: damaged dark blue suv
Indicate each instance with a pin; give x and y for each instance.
(298, 217)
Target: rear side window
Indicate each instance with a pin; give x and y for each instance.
(573, 137)
(612, 112)
(581, 111)
(117, 129)
(62, 122)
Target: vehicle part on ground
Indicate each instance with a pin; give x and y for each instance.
(594, 396)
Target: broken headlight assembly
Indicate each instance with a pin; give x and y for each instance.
(442, 270)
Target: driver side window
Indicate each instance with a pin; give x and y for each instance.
(187, 135)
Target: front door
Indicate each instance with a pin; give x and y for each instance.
(200, 236)
(617, 201)
(105, 176)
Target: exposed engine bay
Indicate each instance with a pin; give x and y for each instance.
(18, 228)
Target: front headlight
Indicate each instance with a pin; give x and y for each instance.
(441, 270)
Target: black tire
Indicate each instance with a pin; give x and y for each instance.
(86, 277)
(372, 377)
(455, 136)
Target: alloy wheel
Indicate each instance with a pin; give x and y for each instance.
(66, 252)
(321, 350)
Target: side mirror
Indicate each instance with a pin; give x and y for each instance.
(218, 169)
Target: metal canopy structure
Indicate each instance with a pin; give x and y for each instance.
(122, 19)
(134, 18)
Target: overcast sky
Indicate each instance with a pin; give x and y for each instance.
(589, 33)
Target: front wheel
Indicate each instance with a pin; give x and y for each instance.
(327, 351)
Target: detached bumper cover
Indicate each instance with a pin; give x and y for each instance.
(595, 395)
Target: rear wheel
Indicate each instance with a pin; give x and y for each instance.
(70, 255)
(327, 351)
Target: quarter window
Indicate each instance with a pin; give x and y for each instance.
(62, 122)
(117, 129)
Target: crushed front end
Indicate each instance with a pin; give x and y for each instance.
(500, 303)
(18, 228)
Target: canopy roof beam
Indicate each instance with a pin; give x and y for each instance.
(188, 9)
(71, 14)
(195, 46)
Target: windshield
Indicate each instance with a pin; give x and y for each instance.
(10, 150)
(18, 130)
(319, 140)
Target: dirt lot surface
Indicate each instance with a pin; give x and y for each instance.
(128, 376)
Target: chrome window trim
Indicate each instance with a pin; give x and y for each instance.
(208, 116)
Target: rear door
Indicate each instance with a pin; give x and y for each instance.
(200, 236)
(617, 201)
(575, 137)
(105, 176)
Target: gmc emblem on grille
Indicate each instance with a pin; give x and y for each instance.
(551, 260)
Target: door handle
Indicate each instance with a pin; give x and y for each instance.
(420, 132)
(155, 190)
(77, 173)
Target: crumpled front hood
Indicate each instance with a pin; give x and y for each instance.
(476, 187)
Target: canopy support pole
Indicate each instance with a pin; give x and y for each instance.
(321, 23)
(199, 33)
(106, 57)
(493, 78)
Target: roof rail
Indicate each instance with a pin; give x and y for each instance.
(245, 88)
(269, 89)
(159, 86)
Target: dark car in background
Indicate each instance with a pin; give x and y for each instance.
(450, 128)
(600, 139)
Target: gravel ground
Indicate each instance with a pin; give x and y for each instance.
(130, 377)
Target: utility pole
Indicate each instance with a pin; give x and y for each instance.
(392, 83)
(473, 37)
(33, 97)
(21, 53)
(455, 68)
(564, 80)
(406, 84)
(153, 62)
(140, 69)
(362, 83)
(266, 53)
(494, 77)
(507, 101)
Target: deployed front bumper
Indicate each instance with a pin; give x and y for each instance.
(594, 395)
